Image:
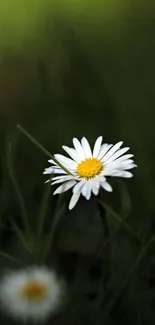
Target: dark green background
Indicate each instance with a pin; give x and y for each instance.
(72, 69)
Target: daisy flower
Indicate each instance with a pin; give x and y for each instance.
(88, 169)
(32, 293)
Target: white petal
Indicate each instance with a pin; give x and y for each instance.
(74, 199)
(49, 180)
(78, 186)
(112, 150)
(65, 177)
(104, 148)
(86, 190)
(97, 147)
(79, 149)
(130, 166)
(66, 162)
(119, 165)
(118, 173)
(102, 178)
(125, 157)
(86, 148)
(116, 155)
(62, 179)
(106, 186)
(122, 162)
(72, 153)
(64, 187)
(124, 174)
(52, 161)
(95, 185)
(50, 170)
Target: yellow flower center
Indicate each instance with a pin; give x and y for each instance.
(34, 290)
(90, 167)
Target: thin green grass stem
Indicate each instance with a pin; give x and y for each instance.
(37, 144)
(9, 257)
(43, 210)
(116, 295)
(18, 192)
(118, 218)
(60, 209)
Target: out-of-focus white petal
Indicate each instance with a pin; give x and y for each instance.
(22, 306)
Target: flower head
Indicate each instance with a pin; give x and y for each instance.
(32, 293)
(89, 168)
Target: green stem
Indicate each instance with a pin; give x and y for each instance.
(18, 192)
(60, 209)
(118, 218)
(105, 224)
(47, 153)
(10, 257)
(43, 209)
(99, 253)
(50, 238)
(141, 255)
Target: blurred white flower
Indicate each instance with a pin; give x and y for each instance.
(33, 293)
(90, 168)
